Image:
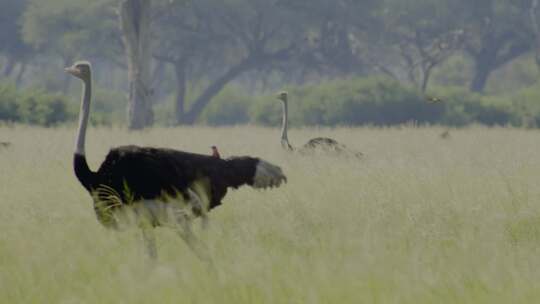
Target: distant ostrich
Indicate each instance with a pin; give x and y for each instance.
(323, 144)
(153, 182)
(215, 152)
(5, 144)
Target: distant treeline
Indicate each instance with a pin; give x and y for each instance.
(196, 53)
(355, 102)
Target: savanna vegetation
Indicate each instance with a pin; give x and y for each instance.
(440, 96)
(418, 220)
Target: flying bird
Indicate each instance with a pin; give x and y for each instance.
(159, 183)
(433, 99)
(318, 144)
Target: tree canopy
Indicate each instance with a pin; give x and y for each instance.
(198, 48)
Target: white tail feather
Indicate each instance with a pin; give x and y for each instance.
(268, 175)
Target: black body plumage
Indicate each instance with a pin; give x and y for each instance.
(147, 173)
(322, 142)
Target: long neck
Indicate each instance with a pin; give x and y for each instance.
(284, 125)
(83, 117)
(82, 171)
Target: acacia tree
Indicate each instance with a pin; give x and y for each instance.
(221, 40)
(337, 31)
(498, 31)
(189, 43)
(68, 30)
(422, 34)
(117, 31)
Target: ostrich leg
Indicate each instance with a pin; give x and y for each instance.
(186, 233)
(198, 207)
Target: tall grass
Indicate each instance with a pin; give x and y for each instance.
(418, 220)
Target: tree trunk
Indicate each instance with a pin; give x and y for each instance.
(536, 27)
(20, 74)
(135, 27)
(210, 92)
(425, 80)
(481, 75)
(157, 75)
(495, 52)
(180, 72)
(485, 62)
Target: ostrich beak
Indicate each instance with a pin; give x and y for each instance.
(72, 70)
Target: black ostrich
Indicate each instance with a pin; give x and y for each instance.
(318, 144)
(158, 183)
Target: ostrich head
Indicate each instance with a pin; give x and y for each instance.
(282, 96)
(80, 69)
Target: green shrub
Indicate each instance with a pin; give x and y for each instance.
(372, 101)
(266, 111)
(8, 103)
(358, 101)
(456, 71)
(37, 107)
(108, 107)
(462, 107)
(227, 108)
(525, 106)
(33, 106)
(381, 102)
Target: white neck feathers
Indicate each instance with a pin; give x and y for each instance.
(284, 123)
(83, 117)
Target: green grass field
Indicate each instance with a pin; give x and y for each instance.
(418, 220)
